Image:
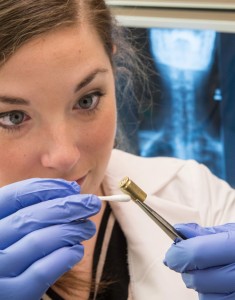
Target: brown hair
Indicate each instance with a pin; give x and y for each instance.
(23, 20)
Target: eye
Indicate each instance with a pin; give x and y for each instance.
(89, 102)
(12, 119)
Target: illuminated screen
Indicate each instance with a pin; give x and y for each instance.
(193, 111)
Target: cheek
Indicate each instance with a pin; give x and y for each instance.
(15, 163)
(98, 149)
(7, 162)
(105, 133)
(100, 138)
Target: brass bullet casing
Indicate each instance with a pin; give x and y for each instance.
(130, 188)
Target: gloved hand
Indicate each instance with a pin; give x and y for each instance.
(206, 260)
(40, 234)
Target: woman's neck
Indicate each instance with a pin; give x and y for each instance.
(83, 270)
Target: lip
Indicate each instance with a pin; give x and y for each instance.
(81, 180)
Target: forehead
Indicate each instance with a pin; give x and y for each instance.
(59, 58)
(63, 46)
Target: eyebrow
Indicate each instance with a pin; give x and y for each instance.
(82, 84)
(89, 79)
(13, 100)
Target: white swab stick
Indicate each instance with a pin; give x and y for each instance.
(116, 198)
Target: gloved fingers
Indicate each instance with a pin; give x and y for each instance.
(218, 280)
(44, 214)
(190, 230)
(18, 257)
(31, 191)
(34, 282)
(217, 296)
(201, 252)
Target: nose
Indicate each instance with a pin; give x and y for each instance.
(61, 151)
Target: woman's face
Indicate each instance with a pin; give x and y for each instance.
(57, 110)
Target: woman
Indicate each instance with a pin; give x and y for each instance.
(59, 62)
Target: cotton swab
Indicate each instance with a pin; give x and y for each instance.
(116, 198)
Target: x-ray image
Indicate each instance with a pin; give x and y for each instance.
(184, 60)
(193, 114)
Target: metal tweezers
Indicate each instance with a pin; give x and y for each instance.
(138, 195)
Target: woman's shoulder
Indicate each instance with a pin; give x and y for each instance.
(150, 172)
(184, 182)
(121, 160)
(122, 155)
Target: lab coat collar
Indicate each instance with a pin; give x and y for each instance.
(124, 164)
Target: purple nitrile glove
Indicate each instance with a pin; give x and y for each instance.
(40, 234)
(206, 260)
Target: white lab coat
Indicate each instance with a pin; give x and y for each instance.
(180, 191)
